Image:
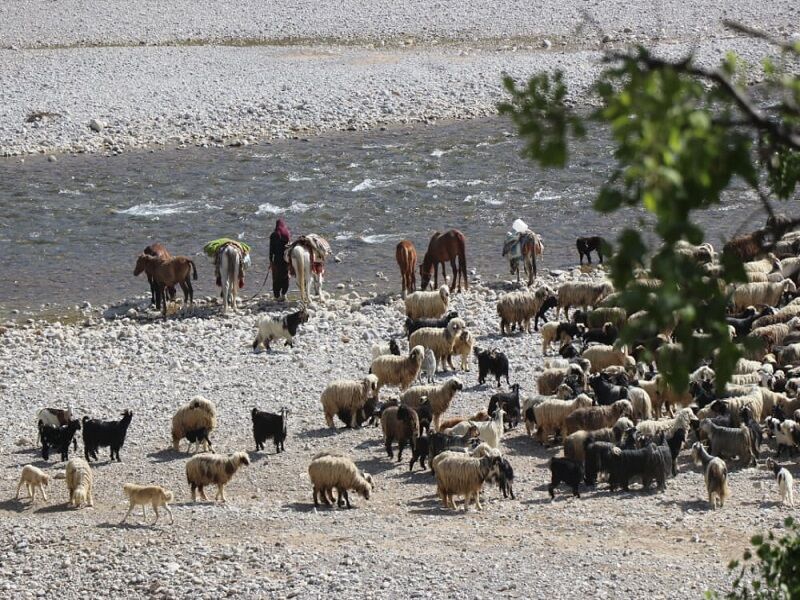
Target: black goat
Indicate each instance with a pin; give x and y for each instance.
(269, 425)
(702, 392)
(607, 335)
(491, 362)
(97, 434)
(439, 442)
(57, 438)
(646, 463)
(673, 445)
(586, 245)
(567, 471)
(412, 325)
(595, 460)
(606, 393)
(509, 402)
(425, 415)
(569, 351)
(549, 302)
(756, 432)
(375, 412)
(420, 452)
(566, 331)
(199, 436)
(505, 478)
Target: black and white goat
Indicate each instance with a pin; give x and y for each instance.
(274, 327)
(606, 393)
(269, 425)
(58, 439)
(785, 481)
(412, 325)
(98, 434)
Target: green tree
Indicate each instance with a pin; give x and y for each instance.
(682, 134)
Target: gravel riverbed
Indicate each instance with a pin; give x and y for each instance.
(268, 540)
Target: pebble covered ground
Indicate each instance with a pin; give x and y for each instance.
(268, 540)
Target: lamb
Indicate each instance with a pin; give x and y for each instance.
(492, 362)
(566, 470)
(509, 402)
(647, 463)
(399, 423)
(729, 441)
(784, 479)
(640, 401)
(153, 495)
(716, 475)
(491, 431)
(463, 346)
(582, 294)
(596, 417)
(605, 335)
(550, 415)
(439, 396)
(58, 438)
(602, 356)
(198, 415)
(398, 370)
(751, 294)
(391, 348)
(440, 341)
(200, 439)
(349, 395)
(79, 483)
(269, 425)
(273, 327)
(33, 479)
(412, 325)
(55, 417)
(462, 428)
(329, 471)
(683, 420)
(518, 308)
(427, 304)
(420, 451)
(428, 368)
(460, 474)
(97, 434)
(205, 469)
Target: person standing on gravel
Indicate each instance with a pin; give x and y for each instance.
(280, 269)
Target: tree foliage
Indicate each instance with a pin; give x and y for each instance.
(682, 135)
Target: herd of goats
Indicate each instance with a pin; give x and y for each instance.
(617, 419)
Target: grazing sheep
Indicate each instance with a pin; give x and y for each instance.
(704, 253)
(79, 483)
(430, 305)
(602, 357)
(462, 347)
(33, 479)
(153, 495)
(439, 396)
(55, 417)
(348, 395)
(567, 471)
(729, 441)
(596, 417)
(198, 414)
(58, 438)
(269, 425)
(328, 471)
(440, 341)
(752, 294)
(412, 325)
(273, 327)
(518, 308)
(640, 401)
(682, 420)
(509, 402)
(450, 422)
(582, 294)
(97, 434)
(492, 362)
(716, 475)
(399, 423)
(550, 415)
(785, 482)
(461, 475)
(428, 368)
(205, 469)
(380, 349)
(398, 370)
(646, 463)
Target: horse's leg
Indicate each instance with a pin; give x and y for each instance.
(162, 293)
(234, 282)
(185, 293)
(456, 275)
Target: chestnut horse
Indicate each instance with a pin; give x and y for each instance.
(444, 247)
(159, 250)
(166, 273)
(406, 256)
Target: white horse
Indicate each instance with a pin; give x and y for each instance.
(230, 258)
(301, 263)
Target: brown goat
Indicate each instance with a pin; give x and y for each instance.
(481, 415)
(166, 273)
(747, 247)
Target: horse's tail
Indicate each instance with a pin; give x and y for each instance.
(194, 269)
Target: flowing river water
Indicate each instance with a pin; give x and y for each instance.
(71, 230)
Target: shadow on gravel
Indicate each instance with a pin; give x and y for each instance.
(685, 505)
(167, 455)
(26, 451)
(416, 477)
(374, 466)
(56, 508)
(322, 432)
(307, 507)
(16, 505)
(40, 463)
(372, 443)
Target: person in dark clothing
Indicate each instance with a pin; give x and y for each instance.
(280, 269)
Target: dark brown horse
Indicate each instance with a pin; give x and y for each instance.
(160, 250)
(406, 256)
(168, 273)
(442, 248)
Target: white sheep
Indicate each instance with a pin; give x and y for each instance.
(398, 370)
(348, 395)
(484, 449)
(641, 403)
(550, 415)
(33, 479)
(439, 397)
(682, 420)
(458, 474)
(439, 340)
(716, 475)
(329, 471)
(428, 369)
(581, 294)
(519, 308)
(390, 347)
(766, 265)
(199, 414)
(430, 305)
(205, 469)
(751, 294)
(602, 357)
(549, 330)
(79, 483)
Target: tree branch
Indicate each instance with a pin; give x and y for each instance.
(759, 34)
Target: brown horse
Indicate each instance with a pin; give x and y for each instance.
(166, 273)
(160, 250)
(406, 256)
(444, 247)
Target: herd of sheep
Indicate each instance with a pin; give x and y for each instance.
(617, 419)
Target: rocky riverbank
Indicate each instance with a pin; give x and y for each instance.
(268, 541)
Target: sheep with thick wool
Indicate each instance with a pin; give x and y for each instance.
(715, 472)
(575, 443)
(782, 315)
(348, 395)
(582, 294)
(459, 474)
(641, 403)
(440, 341)
(596, 417)
(217, 469)
(463, 346)
(787, 355)
(439, 397)
(753, 294)
(199, 414)
(683, 419)
(602, 356)
(729, 441)
(398, 370)
(329, 471)
(604, 314)
(766, 265)
(33, 479)
(79, 483)
(549, 332)
(733, 406)
(518, 308)
(430, 305)
(550, 415)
